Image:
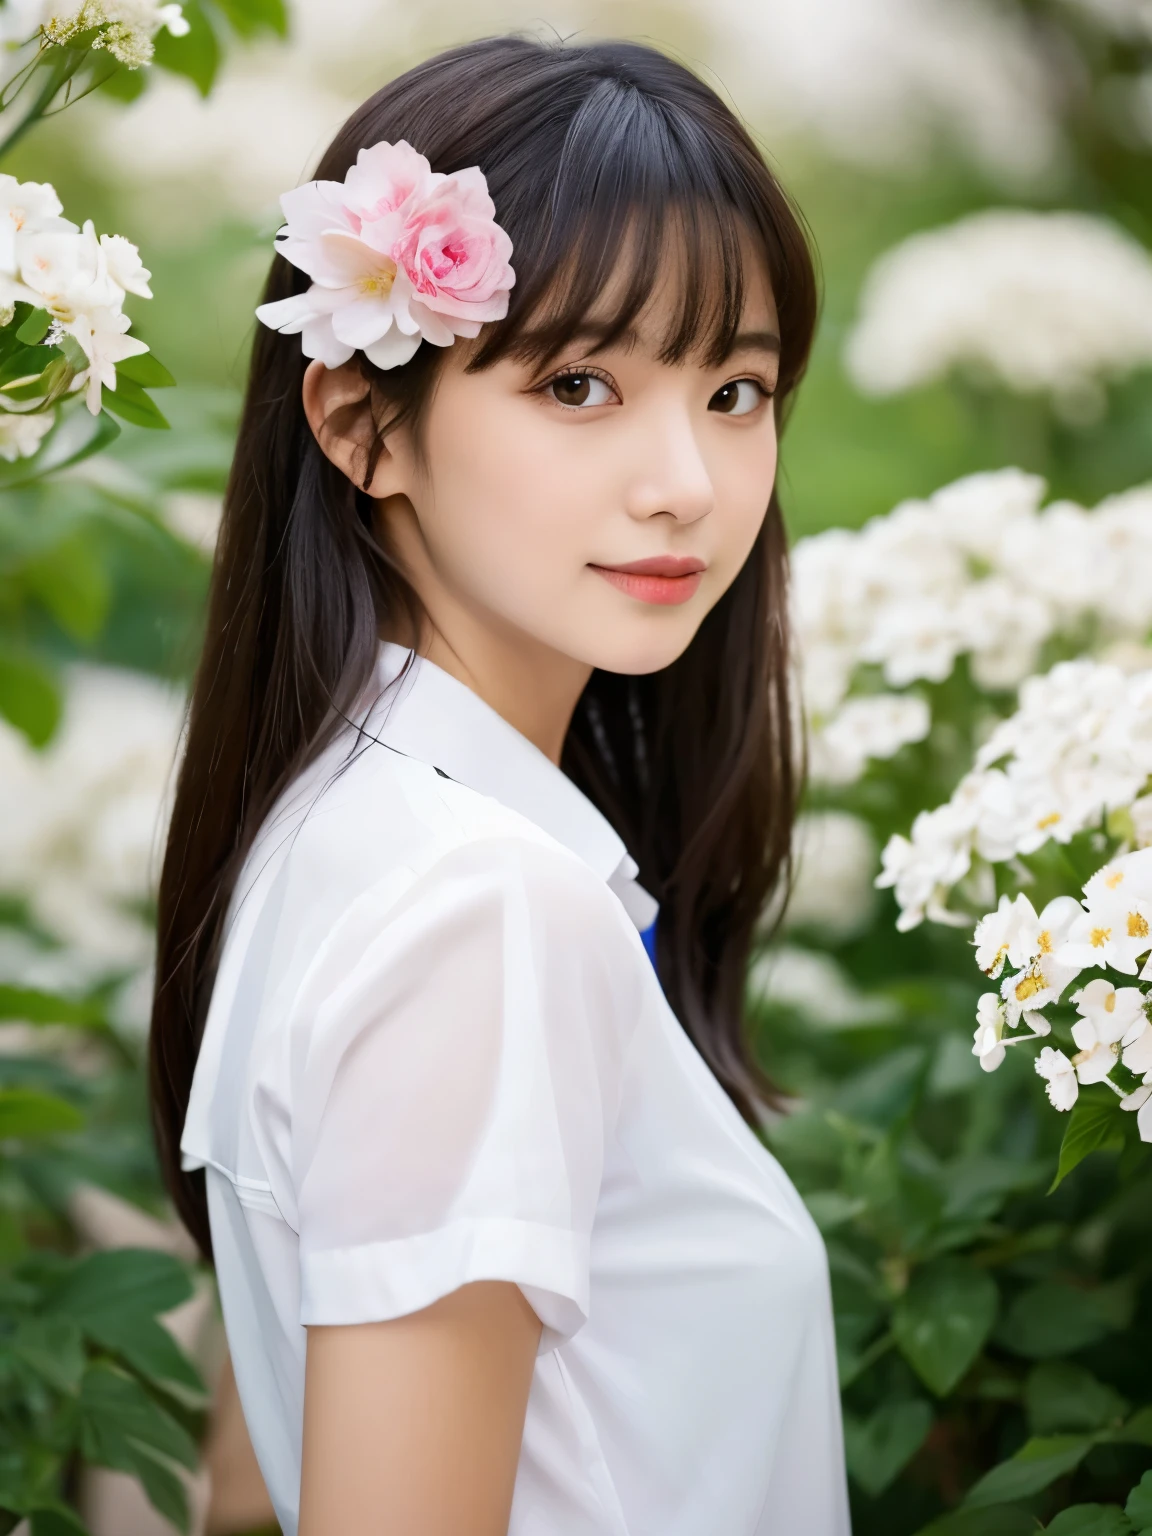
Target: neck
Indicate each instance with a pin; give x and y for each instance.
(533, 687)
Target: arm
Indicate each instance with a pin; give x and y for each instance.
(412, 1427)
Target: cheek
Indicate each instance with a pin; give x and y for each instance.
(511, 508)
(743, 473)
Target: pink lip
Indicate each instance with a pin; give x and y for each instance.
(664, 580)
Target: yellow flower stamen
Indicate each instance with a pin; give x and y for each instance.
(378, 284)
(1137, 926)
(1098, 937)
(1114, 879)
(1110, 1003)
(1048, 821)
(1029, 988)
(1045, 942)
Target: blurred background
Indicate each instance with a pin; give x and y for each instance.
(977, 179)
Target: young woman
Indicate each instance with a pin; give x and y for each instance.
(496, 666)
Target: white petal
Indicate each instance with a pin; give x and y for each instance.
(362, 321)
(392, 350)
(317, 341)
(288, 315)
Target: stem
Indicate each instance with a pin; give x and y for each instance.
(58, 75)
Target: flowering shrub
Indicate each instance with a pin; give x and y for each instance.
(1075, 757)
(978, 572)
(1047, 302)
(978, 689)
(63, 327)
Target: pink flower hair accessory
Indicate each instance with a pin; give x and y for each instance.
(397, 254)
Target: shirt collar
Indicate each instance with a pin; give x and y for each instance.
(437, 719)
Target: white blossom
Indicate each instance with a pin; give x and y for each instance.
(1106, 1016)
(1136, 1046)
(1038, 302)
(980, 570)
(1078, 747)
(880, 82)
(1060, 1077)
(874, 726)
(813, 983)
(988, 1043)
(81, 820)
(126, 28)
(21, 435)
(835, 860)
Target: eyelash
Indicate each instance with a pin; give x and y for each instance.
(575, 372)
(598, 373)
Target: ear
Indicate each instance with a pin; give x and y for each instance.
(338, 410)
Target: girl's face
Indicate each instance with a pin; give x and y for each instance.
(596, 506)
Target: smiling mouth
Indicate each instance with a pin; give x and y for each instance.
(663, 580)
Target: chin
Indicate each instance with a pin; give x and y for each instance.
(654, 647)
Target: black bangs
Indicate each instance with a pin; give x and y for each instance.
(637, 192)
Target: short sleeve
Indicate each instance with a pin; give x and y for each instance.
(456, 1073)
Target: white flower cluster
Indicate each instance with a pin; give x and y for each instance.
(978, 569)
(1044, 953)
(1052, 303)
(79, 279)
(126, 28)
(881, 82)
(835, 859)
(1077, 751)
(81, 819)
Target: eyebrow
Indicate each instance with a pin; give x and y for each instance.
(755, 341)
(744, 341)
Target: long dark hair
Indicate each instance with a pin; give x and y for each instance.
(587, 150)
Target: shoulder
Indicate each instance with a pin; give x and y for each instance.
(363, 813)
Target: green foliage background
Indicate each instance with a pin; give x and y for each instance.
(993, 1337)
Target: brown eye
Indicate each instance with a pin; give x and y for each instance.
(738, 398)
(577, 389)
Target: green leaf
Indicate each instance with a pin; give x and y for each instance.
(1090, 1520)
(26, 1114)
(882, 1094)
(114, 1297)
(878, 1448)
(53, 1348)
(71, 582)
(1062, 1396)
(943, 1319)
(1139, 1505)
(35, 328)
(125, 85)
(1003, 1520)
(115, 1288)
(196, 55)
(247, 18)
(149, 1348)
(1137, 1431)
(129, 401)
(146, 369)
(25, 363)
(29, 698)
(1054, 1318)
(1037, 1464)
(122, 1427)
(1095, 1122)
(31, 1006)
(57, 1522)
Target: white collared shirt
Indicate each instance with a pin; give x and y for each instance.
(437, 1052)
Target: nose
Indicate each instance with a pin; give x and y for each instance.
(669, 474)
